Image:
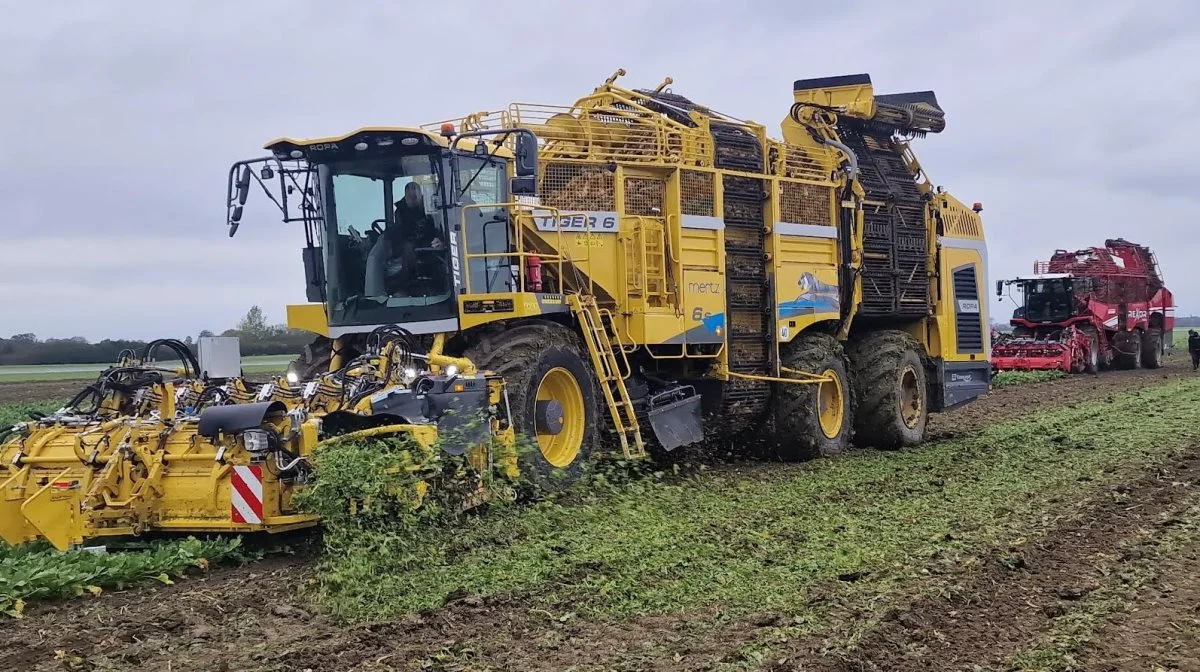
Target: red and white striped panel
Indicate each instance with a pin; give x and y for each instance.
(246, 495)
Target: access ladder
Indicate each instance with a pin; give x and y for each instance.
(592, 322)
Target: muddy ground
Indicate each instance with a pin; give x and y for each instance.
(251, 618)
(45, 390)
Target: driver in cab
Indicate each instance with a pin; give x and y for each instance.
(412, 229)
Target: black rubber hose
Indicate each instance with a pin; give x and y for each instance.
(182, 351)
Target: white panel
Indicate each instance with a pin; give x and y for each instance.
(702, 222)
(810, 230)
(220, 356)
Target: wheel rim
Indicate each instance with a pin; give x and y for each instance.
(830, 405)
(562, 447)
(912, 402)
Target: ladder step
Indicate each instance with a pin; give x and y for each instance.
(608, 368)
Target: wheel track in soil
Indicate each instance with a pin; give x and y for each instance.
(251, 617)
(1161, 630)
(1002, 608)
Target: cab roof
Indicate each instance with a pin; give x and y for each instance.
(376, 138)
(1043, 276)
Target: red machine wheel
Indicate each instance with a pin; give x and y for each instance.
(1091, 359)
(1151, 349)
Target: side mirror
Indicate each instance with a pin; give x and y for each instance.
(314, 274)
(235, 218)
(999, 288)
(523, 186)
(527, 150)
(243, 185)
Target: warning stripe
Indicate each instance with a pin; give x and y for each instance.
(246, 495)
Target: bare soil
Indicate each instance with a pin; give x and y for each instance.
(42, 390)
(1018, 400)
(1021, 589)
(1162, 630)
(253, 618)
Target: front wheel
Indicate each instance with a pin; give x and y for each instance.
(314, 360)
(1091, 361)
(552, 394)
(889, 383)
(813, 419)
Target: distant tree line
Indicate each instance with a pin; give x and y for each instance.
(256, 336)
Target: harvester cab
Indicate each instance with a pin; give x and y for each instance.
(389, 214)
(1042, 299)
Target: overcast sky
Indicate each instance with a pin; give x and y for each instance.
(1070, 121)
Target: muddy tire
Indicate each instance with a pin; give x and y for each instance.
(1128, 353)
(890, 387)
(546, 362)
(314, 359)
(813, 420)
(1152, 349)
(1091, 361)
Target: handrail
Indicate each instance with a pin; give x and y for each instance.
(604, 312)
(518, 212)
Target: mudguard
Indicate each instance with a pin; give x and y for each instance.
(236, 417)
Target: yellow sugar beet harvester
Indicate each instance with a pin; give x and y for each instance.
(632, 260)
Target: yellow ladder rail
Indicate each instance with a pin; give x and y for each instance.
(610, 371)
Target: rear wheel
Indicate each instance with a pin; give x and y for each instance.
(552, 394)
(813, 419)
(1152, 349)
(1128, 348)
(889, 384)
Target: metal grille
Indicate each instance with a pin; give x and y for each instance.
(577, 186)
(644, 195)
(805, 203)
(895, 274)
(959, 223)
(748, 303)
(697, 191)
(806, 164)
(968, 326)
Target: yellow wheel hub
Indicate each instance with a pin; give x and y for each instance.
(912, 402)
(560, 433)
(830, 405)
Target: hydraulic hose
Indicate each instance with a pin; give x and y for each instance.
(181, 350)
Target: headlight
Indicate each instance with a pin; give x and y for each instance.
(452, 371)
(256, 440)
(293, 377)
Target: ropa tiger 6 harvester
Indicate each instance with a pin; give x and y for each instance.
(1081, 311)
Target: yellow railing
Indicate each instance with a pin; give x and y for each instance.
(612, 123)
(521, 217)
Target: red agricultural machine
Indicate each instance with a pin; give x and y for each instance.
(1082, 311)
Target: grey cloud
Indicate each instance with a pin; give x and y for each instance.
(1145, 28)
(1069, 120)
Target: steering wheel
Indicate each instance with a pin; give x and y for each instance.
(376, 228)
